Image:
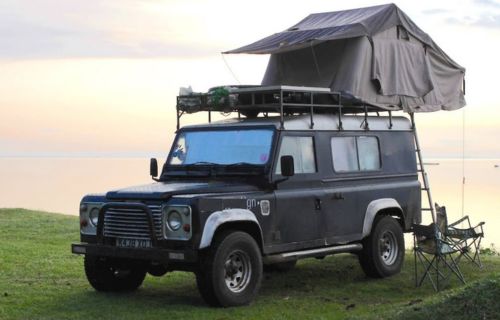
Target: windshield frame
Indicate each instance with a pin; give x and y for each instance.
(193, 167)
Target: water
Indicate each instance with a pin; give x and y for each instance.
(57, 185)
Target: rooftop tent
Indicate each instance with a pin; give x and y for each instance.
(376, 54)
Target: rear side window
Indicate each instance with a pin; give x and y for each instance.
(355, 153)
(302, 151)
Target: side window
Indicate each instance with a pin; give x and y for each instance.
(355, 153)
(345, 155)
(368, 152)
(302, 151)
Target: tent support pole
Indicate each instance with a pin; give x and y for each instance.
(341, 127)
(367, 127)
(312, 111)
(282, 120)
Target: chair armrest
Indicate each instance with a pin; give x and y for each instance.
(429, 232)
(479, 226)
(459, 221)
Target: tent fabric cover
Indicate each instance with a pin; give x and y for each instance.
(377, 54)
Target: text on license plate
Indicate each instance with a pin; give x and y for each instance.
(133, 243)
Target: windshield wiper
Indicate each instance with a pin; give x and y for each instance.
(244, 165)
(244, 168)
(200, 163)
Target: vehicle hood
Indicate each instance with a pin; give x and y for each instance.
(164, 190)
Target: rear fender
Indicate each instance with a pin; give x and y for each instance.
(373, 208)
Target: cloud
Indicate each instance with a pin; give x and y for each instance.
(437, 11)
(112, 28)
(487, 3)
(483, 20)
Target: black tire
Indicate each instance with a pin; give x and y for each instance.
(280, 266)
(384, 249)
(114, 275)
(230, 271)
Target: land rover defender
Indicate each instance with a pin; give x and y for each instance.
(237, 196)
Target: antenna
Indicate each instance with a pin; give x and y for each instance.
(463, 161)
(229, 68)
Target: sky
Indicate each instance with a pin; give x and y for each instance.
(99, 78)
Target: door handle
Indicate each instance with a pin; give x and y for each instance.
(317, 204)
(338, 196)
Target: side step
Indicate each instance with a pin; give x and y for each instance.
(287, 256)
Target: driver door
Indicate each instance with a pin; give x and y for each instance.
(298, 199)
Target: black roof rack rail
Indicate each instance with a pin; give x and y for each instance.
(251, 101)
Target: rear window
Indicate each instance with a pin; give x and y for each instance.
(351, 154)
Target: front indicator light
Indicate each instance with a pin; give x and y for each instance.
(83, 223)
(186, 227)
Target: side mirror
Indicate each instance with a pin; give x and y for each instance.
(153, 168)
(287, 166)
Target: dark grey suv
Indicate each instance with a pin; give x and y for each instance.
(238, 196)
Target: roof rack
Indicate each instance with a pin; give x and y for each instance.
(251, 101)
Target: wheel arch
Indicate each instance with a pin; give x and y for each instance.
(235, 219)
(382, 207)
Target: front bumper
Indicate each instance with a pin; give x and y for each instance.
(152, 254)
(99, 247)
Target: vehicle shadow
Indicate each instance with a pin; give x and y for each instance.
(176, 293)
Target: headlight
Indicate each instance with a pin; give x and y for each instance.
(94, 216)
(89, 214)
(174, 220)
(177, 220)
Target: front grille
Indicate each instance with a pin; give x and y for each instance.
(131, 223)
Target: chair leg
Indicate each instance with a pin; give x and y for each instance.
(453, 266)
(427, 273)
(415, 261)
(477, 246)
(437, 272)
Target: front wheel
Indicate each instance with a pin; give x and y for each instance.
(231, 271)
(383, 250)
(105, 274)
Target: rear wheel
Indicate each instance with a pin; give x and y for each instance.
(231, 271)
(383, 250)
(106, 274)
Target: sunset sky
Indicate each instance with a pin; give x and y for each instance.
(99, 78)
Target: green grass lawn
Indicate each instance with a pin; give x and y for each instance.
(41, 279)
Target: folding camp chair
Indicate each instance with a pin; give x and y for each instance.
(438, 257)
(467, 240)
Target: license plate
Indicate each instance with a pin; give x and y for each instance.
(133, 243)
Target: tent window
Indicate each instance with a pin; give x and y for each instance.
(403, 34)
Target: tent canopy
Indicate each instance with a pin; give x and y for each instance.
(376, 54)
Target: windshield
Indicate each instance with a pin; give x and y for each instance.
(222, 147)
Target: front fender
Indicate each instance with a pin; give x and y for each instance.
(218, 218)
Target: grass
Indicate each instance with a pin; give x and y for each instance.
(41, 279)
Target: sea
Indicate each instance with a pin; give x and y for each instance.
(466, 187)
